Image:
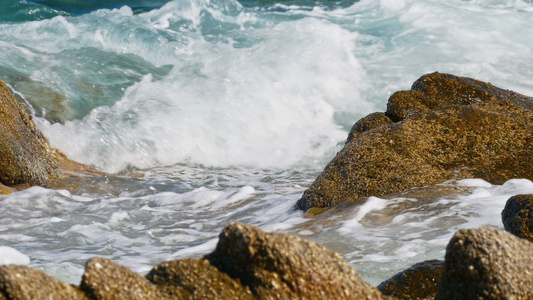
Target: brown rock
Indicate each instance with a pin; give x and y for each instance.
(196, 279)
(367, 123)
(446, 127)
(486, 263)
(105, 279)
(25, 152)
(420, 281)
(4, 190)
(21, 282)
(281, 266)
(517, 216)
(27, 158)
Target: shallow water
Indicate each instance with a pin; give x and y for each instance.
(210, 112)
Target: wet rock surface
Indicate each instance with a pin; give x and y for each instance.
(487, 263)
(517, 216)
(27, 158)
(26, 154)
(22, 283)
(105, 279)
(420, 281)
(445, 127)
(196, 279)
(246, 264)
(281, 266)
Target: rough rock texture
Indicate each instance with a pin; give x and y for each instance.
(105, 279)
(25, 152)
(21, 282)
(486, 263)
(281, 266)
(246, 264)
(367, 123)
(27, 158)
(196, 279)
(420, 281)
(517, 216)
(445, 127)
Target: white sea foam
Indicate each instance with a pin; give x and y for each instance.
(10, 256)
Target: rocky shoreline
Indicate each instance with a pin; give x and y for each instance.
(445, 127)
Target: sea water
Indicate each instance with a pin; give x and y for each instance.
(206, 112)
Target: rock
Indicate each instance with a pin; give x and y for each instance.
(5, 190)
(27, 158)
(196, 279)
(21, 282)
(446, 127)
(246, 264)
(281, 266)
(105, 279)
(487, 263)
(420, 281)
(25, 152)
(517, 216)
(367, 123)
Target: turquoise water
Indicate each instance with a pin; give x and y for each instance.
(215, 111)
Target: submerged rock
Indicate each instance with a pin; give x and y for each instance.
(281, 266)
(445, 127)
(487, 263)
(25, 152)
(517, 216)
(22, 283)
(420, 281)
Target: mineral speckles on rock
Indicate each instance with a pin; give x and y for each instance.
(281, 266)
(25, 152)
(487, 263)
(446, 127)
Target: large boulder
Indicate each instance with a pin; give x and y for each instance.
(22, 283)
(517, 216)
(487, 263)
(445, 127)
(282, 266)
(420, 281)
(25, 152)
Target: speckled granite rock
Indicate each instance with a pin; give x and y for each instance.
(23, 283)
(105, 279)
(27, 158)
(281, 266)
(26, 155)
(487, 263)
(196, 279)
(445, 127)
(420, 281)
(517, 216)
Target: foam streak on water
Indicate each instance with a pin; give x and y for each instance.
(218, 111)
